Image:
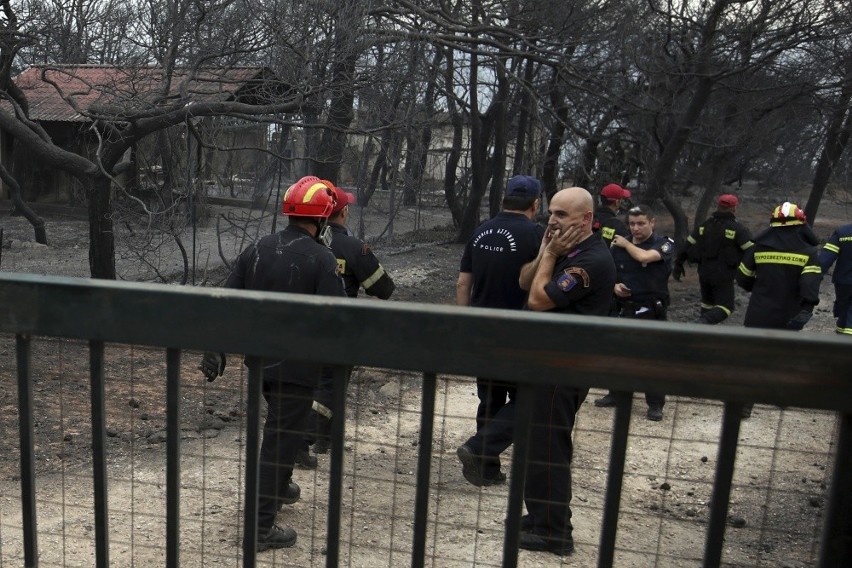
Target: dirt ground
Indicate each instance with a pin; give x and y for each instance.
(783, 463)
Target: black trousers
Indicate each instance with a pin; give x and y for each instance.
(547, 491)
(717, 294)
(288, 406)
(647, 310)
(495, 422)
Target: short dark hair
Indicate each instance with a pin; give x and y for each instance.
(644, 210)
(515, 203)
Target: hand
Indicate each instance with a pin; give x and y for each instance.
(621, 290)
(799, 320)
(212, 365)
(563, 242)
(679, 271)
(618, 241)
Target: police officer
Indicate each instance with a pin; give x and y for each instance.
(717, 245)
(292, 260)
(783, 274)
(488, 277)
(359, 268)
(607, 220)
(839, 249)
(644, 263)
(573, 273)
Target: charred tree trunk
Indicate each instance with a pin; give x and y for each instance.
(101, 236)
(39, 232)
(550, 168)
(837, 138)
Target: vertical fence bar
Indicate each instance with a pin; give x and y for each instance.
(99, 465)
(520, 455)
(335, 482)
(255, 392)
(173, 458)
(836, 549)
(615, 477)
(722, 484)
(424, 468)
(25, 425)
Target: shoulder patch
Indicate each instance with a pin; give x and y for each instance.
(666, 247)
(566, 282)
(365, 249)
(571, 277)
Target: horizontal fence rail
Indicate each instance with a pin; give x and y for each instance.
(733, 365)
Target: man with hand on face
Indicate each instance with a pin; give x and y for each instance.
(644, 263)
(573, 273)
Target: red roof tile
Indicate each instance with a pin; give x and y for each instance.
(67, 92)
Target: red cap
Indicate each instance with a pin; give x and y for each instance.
(614, 191)
(727, 200)
(343, 198)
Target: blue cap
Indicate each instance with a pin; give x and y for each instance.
(523, 186)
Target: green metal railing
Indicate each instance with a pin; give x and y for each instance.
(733, 365)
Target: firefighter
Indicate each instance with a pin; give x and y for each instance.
(717, 246)
(297, 260)
(644, 263)
(607, 221)
(573, 273)
(783, 274)
(839, 249)
(359, 268)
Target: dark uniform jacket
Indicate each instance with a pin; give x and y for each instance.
(718, 244)
(783, 275)
(583, 280)
(650, 282)
(288, 261)
(358, 266)
(494, 256)
(609, 224)
(839, 249)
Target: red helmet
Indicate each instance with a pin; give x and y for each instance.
(309, 197)
(787, 214)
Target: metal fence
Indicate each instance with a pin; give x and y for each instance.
(428, 349)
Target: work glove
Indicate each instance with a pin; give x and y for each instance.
(799, 320)
(678, 271)
(212, 365)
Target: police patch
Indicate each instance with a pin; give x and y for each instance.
(579, 273)
(566, 282)
(666, 247)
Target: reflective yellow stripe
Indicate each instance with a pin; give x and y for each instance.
(374, 278)
(311, 191)
(746, 245)
(746, 271)
(608, 233)
(831, 247)
(730, 234)
(700, 231)
(846, 330)
(790, 258)
(812, 270)
(690, 240)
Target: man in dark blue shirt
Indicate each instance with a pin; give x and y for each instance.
(488, 277)
(644, 263)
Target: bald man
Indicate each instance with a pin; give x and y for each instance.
(574, 274)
